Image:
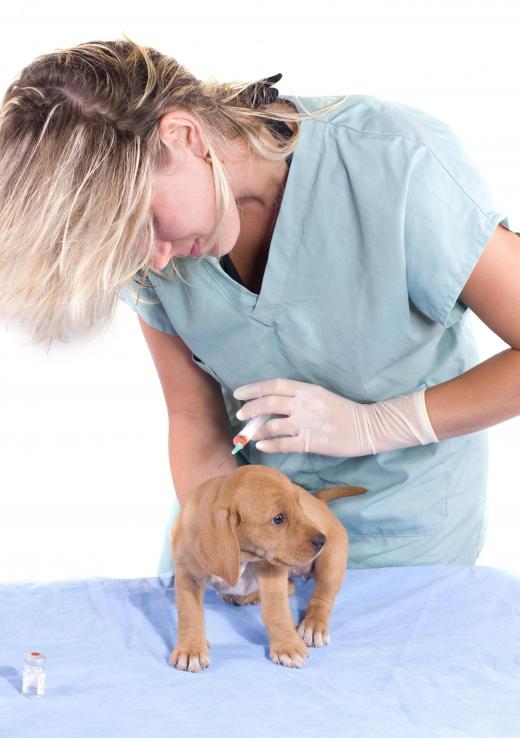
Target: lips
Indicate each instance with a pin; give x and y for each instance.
(196, 248)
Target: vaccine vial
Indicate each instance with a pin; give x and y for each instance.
(33, 680)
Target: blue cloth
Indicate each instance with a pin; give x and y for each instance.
(414, 652)
(383, 218)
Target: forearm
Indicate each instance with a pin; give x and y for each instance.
(197, 446)
(485, 395)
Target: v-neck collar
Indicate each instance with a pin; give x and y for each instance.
(286, 234)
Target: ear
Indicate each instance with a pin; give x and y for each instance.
(179, 130)
(216, 548)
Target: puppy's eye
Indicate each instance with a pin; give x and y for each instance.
(279, 518)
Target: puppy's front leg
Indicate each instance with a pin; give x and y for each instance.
(191, 650)
(329, 571)
(285, 645)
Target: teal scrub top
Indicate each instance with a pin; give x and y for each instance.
(383, 218)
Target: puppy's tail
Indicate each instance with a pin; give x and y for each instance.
(330, 493)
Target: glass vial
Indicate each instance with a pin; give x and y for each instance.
(33, 680)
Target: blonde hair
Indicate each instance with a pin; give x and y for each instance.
(79, 142)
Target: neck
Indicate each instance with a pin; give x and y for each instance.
(255, 181)
(264, 187)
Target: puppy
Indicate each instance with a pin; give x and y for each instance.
(257, 517)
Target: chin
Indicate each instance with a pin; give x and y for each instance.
(228, 238)
(219, 250)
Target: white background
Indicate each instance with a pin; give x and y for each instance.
(86, 488)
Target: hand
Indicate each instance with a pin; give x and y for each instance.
(318, 421)
(322, 422)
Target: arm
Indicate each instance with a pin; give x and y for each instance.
(489, 393)
(199, 437)
(198, 444)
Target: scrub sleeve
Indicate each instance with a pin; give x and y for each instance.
(383, 218)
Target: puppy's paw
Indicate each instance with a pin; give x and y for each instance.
(314, 631)
(193, 657)
(290, 651)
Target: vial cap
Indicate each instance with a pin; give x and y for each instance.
(35, 657)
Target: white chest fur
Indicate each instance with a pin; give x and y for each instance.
(245, 585)
(248, 583)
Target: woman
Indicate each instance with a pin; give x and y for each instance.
(323, 255)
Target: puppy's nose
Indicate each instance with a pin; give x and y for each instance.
(319, 541)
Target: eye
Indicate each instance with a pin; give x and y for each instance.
(278, 519)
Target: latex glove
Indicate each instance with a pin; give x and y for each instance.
(322, 422)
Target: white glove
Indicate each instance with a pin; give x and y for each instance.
(322, 422)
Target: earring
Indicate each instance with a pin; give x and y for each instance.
(207, 157)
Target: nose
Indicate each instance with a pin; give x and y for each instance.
(319, 541)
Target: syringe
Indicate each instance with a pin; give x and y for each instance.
(243, 438)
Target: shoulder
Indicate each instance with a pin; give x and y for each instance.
(400, 139)
(371, 117)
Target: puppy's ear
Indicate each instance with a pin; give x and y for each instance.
(216, 548)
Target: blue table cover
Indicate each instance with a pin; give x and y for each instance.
(429, 651)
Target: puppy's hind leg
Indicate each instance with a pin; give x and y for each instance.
(253, 598)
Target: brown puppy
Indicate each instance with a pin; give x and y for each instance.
(257, 517)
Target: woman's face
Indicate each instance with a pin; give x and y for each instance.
(183, 196)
